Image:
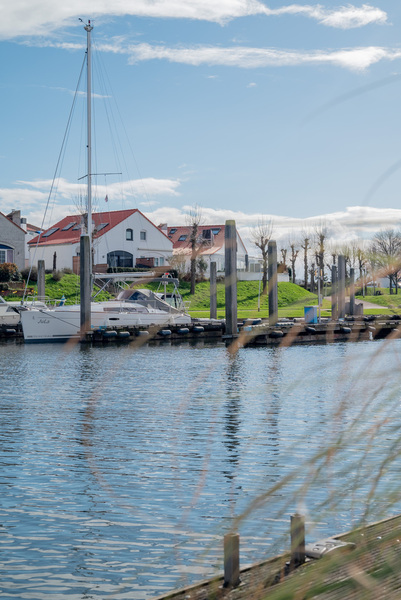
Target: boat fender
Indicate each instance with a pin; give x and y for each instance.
(256, 321)
(183, 330)
(123, 334)
(109, 334)
(164, 332)
(345, 329)
(310, 330)
(371, 328)
(142, 332)
(198, 329)
(276, 334)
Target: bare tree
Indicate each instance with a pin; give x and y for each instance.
(320, 235)
(196, 242)
(306, 246)
(387, 244)
(293, 258)
(261, 236)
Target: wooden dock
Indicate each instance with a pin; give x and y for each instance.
(252, 332)
(366, 568)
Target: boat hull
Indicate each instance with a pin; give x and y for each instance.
(63, 323)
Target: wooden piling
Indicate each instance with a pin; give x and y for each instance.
(272, 282)
(352, 292)
(85, 263)
(341, 286)
(334, 295)
(297, 540)
(41, 280)
(213, 290)
(231, 560)
(230, 239)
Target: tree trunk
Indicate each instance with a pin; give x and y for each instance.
(193, 275)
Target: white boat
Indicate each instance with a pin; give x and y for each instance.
(9, 315)
(64, 322)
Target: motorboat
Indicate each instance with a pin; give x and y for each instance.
(9, 315)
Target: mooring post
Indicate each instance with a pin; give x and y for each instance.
(213, 290)
(297, 540)
(85, 284)
(272, 282)
(230, 280)
(41, 280)
(341, 286)
(334, 295)
(231, 560)
(352, 292)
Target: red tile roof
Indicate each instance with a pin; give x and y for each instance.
(216, 240)
(72, 236)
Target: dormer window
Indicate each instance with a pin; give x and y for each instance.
(129, 234)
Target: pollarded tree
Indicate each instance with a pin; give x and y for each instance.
(196, 242)
(387, 243)
(261, 237)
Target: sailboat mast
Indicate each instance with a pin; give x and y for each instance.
(88, 28)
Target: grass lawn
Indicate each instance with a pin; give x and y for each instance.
(291, 298)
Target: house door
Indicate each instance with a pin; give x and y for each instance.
(120, 258)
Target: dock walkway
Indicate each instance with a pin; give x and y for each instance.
(370, 571)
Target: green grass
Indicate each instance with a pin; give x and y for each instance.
(392, 301)
(67, 286)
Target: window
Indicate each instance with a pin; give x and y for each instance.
(101, 226)
(182, 238)
(129, 234)
(6, 254)
(120, 258)
(68, 226)
(216, 231)
(173, 230)
(207, 234)
(48, 233)
(143, 236)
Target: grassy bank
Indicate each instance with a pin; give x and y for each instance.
(251, 303)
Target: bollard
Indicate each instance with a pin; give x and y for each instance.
(297, 540)
(231, 560)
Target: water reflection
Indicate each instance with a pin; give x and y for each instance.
(126, 467)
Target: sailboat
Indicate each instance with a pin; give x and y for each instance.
(65, 322)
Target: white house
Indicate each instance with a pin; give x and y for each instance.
(122, 238)
(210, 245)
(12, 239)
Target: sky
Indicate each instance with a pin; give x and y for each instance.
(247, 110)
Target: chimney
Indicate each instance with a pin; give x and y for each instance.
(23, 224)
(15, 217)
(163, 228)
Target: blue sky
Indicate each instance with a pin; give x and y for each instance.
(247, 109)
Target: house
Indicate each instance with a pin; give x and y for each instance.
(210, 246)
(12, 239)
(122, 238)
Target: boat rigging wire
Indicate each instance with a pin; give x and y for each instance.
(59, 159)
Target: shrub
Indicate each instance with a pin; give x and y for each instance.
(57, 275)
(32, 274)
(4, 287)
(67, 271)
(9, 272)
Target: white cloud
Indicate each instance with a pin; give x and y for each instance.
(356, 59)
(47, 16)
(352, 223)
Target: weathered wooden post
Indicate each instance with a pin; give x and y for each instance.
(297, 540)
(334, 295)
(352, 292)
(213, 290)
(85, 284)
(231, 560)
(230, 280)
(341, 286)
(41, 280)
(272, 282)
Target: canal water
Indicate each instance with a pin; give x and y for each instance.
(122, 468)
